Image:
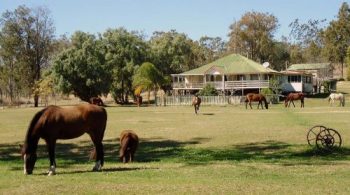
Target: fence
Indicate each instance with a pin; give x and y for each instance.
(206, 100)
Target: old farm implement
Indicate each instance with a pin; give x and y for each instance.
(324, 138)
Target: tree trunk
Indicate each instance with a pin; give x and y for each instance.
(149, 96)
(36, 100)
(342, 69)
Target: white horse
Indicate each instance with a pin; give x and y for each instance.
(336, 96)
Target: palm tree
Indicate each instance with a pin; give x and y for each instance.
(147, 77)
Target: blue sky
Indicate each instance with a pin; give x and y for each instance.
(196, 18)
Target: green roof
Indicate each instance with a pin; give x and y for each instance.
(231, 64)
(308, 66)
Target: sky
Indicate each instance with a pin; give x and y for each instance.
(195, 18)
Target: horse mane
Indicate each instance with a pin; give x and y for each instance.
(31, 128)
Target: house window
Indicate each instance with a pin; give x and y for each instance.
(254, 77)
(212, 78)
(307, 79)
(294, 78)
(240, 77)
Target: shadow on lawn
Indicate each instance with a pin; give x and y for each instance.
(158, 149)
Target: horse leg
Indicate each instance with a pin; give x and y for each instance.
(51, 145)
(293, 103)
(99, 156)
(302, 103)
(97, 140)
(250, 104)
(195, 109)
(132, 156)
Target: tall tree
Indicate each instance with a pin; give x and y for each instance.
(308, 37)
(214, 47)
(26, 36)
(125, 52)
(252, 35)
(82, 69)
(172, 52)
(337, 37)
(347, 59)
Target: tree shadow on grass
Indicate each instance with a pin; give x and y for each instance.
(163, 150)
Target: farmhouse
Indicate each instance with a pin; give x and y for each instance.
(292, 81)
(232, 74)
(320, 72)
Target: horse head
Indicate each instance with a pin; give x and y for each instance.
(29, 160)
(266, 104)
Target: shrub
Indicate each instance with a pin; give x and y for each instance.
(208, 90)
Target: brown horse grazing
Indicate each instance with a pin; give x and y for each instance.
(196, 102)
(294, 96)
(138, 100)
(253, 97)
(97, 101)
(54, 123)
(129, 142)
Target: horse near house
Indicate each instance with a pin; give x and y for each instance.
(294, 96)
(253, 97)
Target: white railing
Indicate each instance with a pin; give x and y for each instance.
(247, 84)
(228, 84)
(206, 100)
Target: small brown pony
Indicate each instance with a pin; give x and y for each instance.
(253, 97)
(294, 96)
(97, 101)
(54, 123)
(196, 102)
(129, 142)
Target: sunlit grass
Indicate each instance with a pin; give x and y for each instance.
(223, 150)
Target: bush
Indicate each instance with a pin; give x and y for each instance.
(208, 90)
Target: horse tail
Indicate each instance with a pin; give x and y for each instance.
(343, 103)
(32, 125)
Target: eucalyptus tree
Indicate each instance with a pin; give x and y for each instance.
(252, 35)
(82, 69)
(214, 47)
(337, 36)
(125, 51)
(26, 43)
(308, 37)
(172, 52)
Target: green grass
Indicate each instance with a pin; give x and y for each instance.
(223, 150)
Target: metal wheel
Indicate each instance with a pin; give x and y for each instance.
(328, 139)
(312, 134)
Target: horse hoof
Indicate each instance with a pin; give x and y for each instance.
(51, 173)
(96, 169)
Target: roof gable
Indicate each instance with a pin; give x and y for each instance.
(231, 64)
(311, 66)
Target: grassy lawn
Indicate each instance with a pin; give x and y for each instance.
(223, 150)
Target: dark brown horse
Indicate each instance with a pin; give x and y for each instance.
(196, 102)
(129, 142)
(294, 96)
(138, 100)
(253, 97)
(97, 101)
(54, 123)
